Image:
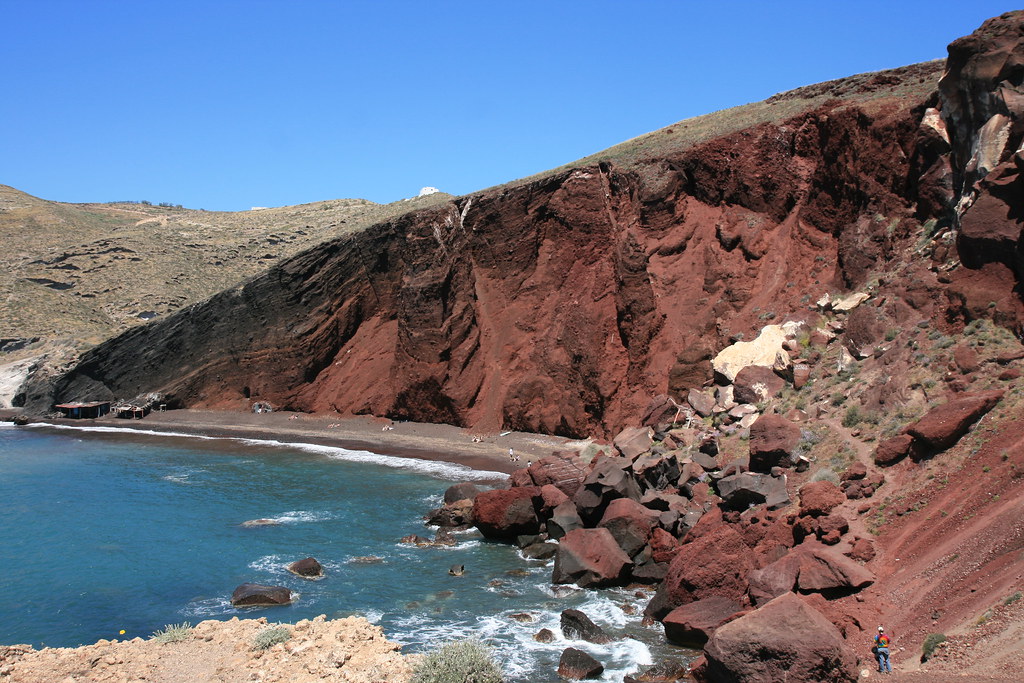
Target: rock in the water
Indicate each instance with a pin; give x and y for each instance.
(664, 672)
(455, 514)
(457, 569)
(540, 551)
(577, 626)
(773, 439)
(578, 665)
(507, 513)
(545, 635)
(307, 568)
(786, 640)
(259, 522)
(258, 595)
(590, 558)
(463, 491)
(693, 624)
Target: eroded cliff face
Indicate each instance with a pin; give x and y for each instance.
(563, 305)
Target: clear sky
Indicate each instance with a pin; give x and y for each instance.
(232, 104)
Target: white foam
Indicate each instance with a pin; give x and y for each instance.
(207, 607)
(435, 468)
(300, 516)
(272, 564)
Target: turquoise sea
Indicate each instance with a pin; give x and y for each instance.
(106, 529)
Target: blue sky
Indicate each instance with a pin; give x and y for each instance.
(227, 105)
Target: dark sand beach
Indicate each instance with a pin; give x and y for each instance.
(401, 439)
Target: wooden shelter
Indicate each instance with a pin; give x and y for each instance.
(84, 410)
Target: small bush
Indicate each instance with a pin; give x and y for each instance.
(891, 334)
(1012, 598)
(930, 643)
(852, 417)
(271, 636)
(172, 633)
(826, 474)
(466, 661)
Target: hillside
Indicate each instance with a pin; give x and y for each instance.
(74, 275)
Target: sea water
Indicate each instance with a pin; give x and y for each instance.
(107, 530)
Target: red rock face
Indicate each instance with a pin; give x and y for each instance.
(565, 304)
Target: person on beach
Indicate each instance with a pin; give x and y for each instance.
(881, 650)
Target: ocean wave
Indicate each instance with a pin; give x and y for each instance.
(435, 468)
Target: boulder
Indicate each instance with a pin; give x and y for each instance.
(564, 519)
(669, 671)
(775, 579)
(507, 513)
(456, 514)
(463, 491)
(863, 550)
(590, 558)
(630, 523)
(551, 497)
(566, 472)
(662, 410)
(826, 571)
(308, 568)
(786, 640)
(966, 359)
(715, 564)
(756, 383)
(610, 479)
(578, 665)
(801, 375)
(763, 351)
(656, 472)
(258, 595)
(632, 441)
(857, 470)
(892, 450)
(708, 463)
(942, 426)
(693, 624)
(740, 491)
(545, 635)
(818, 498)
(577, 626)
(773, 439)
(664, 545)
(540, 551)
(702, 402)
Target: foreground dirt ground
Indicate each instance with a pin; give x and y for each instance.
(350, 650)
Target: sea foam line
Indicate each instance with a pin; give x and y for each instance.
(436, 468)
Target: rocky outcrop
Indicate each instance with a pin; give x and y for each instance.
(507, 513)
(786, 640)
(307, 568)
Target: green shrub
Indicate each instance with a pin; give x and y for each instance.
(270, 636)
(172, 633)
(826, 474)
(1012, 598)
(930, 643)
(891, 334)
(852, 417)
(465, 661)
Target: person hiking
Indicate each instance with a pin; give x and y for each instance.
(881, 650)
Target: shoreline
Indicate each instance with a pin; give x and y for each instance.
(412, 440)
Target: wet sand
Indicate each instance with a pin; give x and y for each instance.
(403, 439)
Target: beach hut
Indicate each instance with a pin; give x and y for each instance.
(84, 410)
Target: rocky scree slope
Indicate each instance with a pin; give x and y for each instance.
(564, 304)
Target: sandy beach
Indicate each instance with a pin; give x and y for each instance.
(401, 439)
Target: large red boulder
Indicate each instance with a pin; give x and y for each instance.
(630, 523)
(826, 571)
(566, 472)
(507, 513)
(786, 640)
(756, 383)
(716, 564)
(942, 426)
(632, 441)
(590, 558)
(818, 498)
(693, 624)
(892, 450)
(773, 439)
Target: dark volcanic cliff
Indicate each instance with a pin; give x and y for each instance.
(564, 304)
